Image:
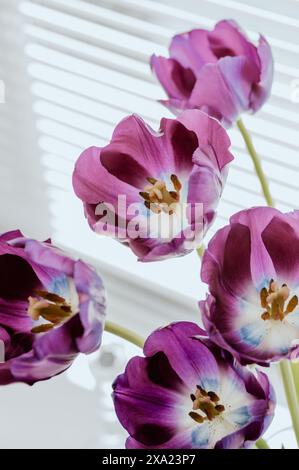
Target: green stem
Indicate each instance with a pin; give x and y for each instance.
(200, 250)
(290, 391)
(124, 333)
(256, 162)
(295, 370)
(262, 444)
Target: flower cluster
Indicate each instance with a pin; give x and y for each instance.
(157, 193)
(192, 389)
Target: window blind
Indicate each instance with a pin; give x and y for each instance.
(77, 67)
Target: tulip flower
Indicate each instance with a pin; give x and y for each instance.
(251, 267)
(172, 179)
(219, 71)
(52, 307)
(187, 394)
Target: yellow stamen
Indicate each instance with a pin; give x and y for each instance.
(207, 403)
(157, 198)
(273, 301)
(51, 307)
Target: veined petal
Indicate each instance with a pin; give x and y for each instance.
(185, 353)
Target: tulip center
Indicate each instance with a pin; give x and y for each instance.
(277, 302)
(207, 403)
(50, 307)
(158, 199)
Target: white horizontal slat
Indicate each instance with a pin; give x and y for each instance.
(91, 31)
(106, 16)
(96, 72)
(93, 53)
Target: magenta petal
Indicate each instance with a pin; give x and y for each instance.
(239, 76)
(178, 342)
(213, 140)
(153, 404)
(179, 441)
(261, 263)
(282, 243)
(93, 184)
(192, 50)
(49, 259)
(212, 94)
(228, 40)
(151, 154)
(175, 79)
(13, 234)
(262, 90)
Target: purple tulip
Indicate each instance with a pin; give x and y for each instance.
(172, 179)
(252, 269)
(51, 309)
(219, 71)
(187, 394)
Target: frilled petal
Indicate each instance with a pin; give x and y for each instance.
(138, 152)
(213, 140)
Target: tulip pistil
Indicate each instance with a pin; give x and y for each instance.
(274, 299)
(207, 403)
(157, 198)
(50, 307)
